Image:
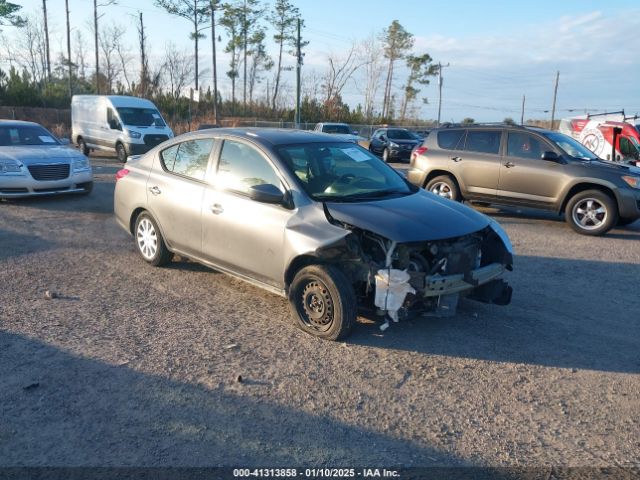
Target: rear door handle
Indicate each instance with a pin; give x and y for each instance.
(155, 190)
(509, 164)
(216, 209)
(456, 159)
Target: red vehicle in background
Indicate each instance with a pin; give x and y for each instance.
(611, 136)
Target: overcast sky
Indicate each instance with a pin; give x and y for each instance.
(497, 51)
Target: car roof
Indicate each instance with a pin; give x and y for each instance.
(16, 123)
(500, 126)
(269, 136)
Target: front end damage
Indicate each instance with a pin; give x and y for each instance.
(397, 280)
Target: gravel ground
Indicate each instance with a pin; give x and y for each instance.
(139, 366)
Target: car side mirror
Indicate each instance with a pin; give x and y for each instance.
(114, 124)
(266, 193)
(550, 156)
(65, 141)
(383, 138)
(354, 132)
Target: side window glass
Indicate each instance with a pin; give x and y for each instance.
(192, 158)
(188, 158)
(242, 166)
(168, 157)
(450, 139)
(483, 141)
(524, 145)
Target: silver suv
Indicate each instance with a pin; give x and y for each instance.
(308, 216)
(529, 167)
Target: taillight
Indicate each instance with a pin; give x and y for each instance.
(418, 151)
(121, 174)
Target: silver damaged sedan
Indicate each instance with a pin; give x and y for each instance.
(317, 219)
(34, 162)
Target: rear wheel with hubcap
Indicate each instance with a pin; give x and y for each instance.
(83, 146)
(149, 241)
(591, 212)
(121, 153)
(323, 302)
(444, 186)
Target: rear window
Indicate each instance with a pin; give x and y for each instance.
(450, 139)
(483, 141)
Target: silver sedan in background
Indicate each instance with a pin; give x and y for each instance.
(34, 162)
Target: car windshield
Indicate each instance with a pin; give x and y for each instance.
(140, 117)
(570, 146)
(343, 129)
(342, 172)
(398, 134)
(22, 135)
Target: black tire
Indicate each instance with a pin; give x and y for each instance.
(161, 254)
(623, 222)
(591, 212)
(323, 302)
(121, 152)
(444, 186)
(82, 146)
(385, 155)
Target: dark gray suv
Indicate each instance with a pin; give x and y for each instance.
(529, 167)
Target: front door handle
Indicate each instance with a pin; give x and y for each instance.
(509, 164)
(155, 190)
(216, 209)
(456, 159)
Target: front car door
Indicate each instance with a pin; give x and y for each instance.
(238, 233)
(525, 178)
(175, 189)
(477, 165)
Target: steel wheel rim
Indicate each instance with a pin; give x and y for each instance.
(589, 214)
(442, 190)
(316, 304)
(147, 239)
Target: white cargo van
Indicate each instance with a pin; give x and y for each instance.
(126, 125)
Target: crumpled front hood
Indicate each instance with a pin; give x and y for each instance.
(38, 154)
(412, 218)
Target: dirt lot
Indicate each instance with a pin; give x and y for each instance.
(138, 366)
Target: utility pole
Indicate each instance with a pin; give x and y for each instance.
(144, 63)
(213, 55)
(522, 114)
(440, 67)
(95, 33)
(555, 94)
(66, 4)
(298, 67)
(46, 38)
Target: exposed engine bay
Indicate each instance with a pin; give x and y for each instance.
(423, 278)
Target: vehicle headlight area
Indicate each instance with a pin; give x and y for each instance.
(81, 165)
(10, 167)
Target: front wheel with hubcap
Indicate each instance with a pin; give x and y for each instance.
(121, 152)
(323, 302)
(149, 241)
(444, 186)
(591, 212)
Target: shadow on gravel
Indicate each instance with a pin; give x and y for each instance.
(564, 313)
(13, 244)
(61, 409)
(100, 200)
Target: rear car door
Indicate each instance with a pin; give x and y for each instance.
(239, 233)
(175, 189)
(524, 177)
(477, 165)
